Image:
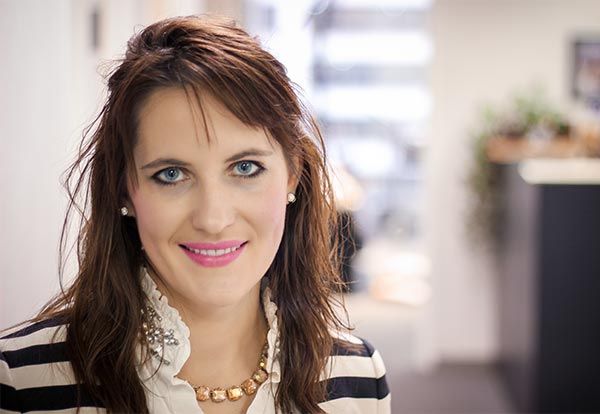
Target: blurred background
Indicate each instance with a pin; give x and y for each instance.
(464, 138)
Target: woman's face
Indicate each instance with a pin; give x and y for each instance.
(197, 201)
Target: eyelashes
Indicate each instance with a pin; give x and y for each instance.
(174, 175)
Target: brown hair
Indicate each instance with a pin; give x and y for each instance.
(103, 304)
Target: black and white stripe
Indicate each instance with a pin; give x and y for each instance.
(355, 377)
(36, 375)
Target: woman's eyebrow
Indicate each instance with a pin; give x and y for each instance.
(252, 152)
(159, 162)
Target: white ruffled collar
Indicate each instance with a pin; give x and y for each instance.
(176, 355)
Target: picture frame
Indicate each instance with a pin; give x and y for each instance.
(585, 80)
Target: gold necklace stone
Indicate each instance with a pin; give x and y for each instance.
(234, 393)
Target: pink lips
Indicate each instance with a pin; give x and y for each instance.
(214, 261)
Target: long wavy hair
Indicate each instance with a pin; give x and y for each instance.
(102, 305)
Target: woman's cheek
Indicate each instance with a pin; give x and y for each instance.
(271, 212)
(154, 219)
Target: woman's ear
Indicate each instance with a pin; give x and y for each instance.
(127, 209)
(126, 199)
(294, 174)
(127, 204)
(131, 209)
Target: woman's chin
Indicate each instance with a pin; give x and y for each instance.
(218, 297)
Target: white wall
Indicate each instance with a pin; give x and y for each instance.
(484, 51)
(35, 131)
(50, 89)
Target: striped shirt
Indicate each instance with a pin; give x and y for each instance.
(36, 375)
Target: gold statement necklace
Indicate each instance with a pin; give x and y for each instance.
(234, 393)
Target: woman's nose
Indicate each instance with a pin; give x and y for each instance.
(213, 209)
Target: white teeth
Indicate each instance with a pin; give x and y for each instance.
(212, 252)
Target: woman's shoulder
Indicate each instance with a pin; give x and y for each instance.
(356, 377)
(33, 342)
(346, 344)
(35, 328)
(35, 370)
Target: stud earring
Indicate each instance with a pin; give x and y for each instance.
(124, 211)
(291, 197)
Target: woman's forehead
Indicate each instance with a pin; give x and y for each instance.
(171, 120)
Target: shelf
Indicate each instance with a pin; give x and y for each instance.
(503, 150)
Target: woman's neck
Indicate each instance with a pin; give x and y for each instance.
(226, 342)
(226, 334)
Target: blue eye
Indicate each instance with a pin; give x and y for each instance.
(248, 169)
(169, 176)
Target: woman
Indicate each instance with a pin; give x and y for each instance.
(206, 280)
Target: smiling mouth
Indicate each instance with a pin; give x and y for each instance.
(212, 252)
